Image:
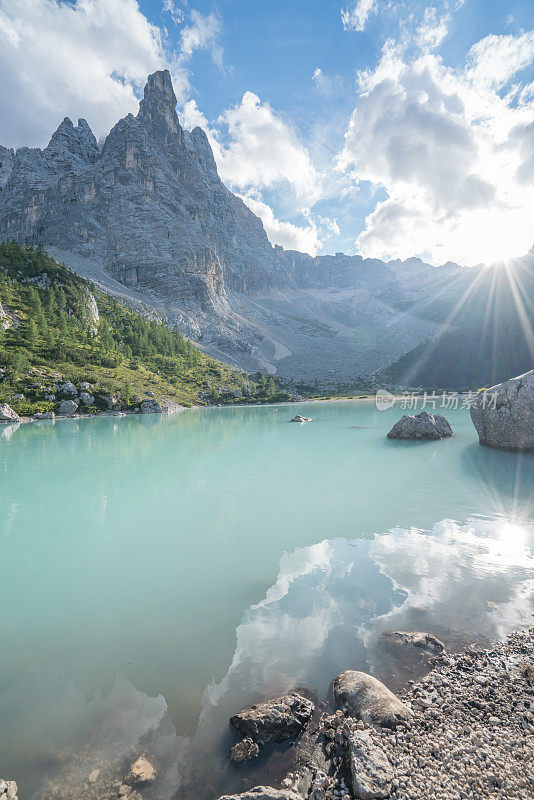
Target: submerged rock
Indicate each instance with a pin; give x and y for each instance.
(8, 790)
(263, 793)
(504, 414)
(142, 770)
(275, 720)
(420, 639)
(7, 414)
(300, 418)
(67, 408)
(368, 699)
(245, 750)
(371, 773)
(421, 426)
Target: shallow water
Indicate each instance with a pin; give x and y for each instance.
(160, 571)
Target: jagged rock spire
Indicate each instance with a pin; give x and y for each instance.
(159, 101)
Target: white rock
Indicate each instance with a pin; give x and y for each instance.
(7, 414)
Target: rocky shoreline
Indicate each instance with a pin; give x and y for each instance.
(466, 730)
(463, 731)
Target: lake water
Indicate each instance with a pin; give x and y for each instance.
(158, 572)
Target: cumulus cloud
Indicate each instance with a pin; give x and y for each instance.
(452, 150)
(307, 238)
(83, 59)
(88, 58)
(355, 16)
(262, 150)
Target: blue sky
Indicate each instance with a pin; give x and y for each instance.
(386, 128)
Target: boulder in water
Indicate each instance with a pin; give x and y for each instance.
(504, 414)
(8, 790)
(245, 750)
(366, 698)
(141, 771)
(420, 639)
(421, 426)
(300, 418)
(275, 720)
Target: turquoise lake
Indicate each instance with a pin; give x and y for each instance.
(158, 572)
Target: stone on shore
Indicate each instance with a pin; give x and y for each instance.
(421, 426)
(151, 406)
(45, 415)
(68, 388)
(263, 793)
(67, 408)
(275, 720)
(504, 414)
(371, 773)
(7, 414)
(420, 639)
(86, 398)
(300, 418)
(141, 771)
(366, 698)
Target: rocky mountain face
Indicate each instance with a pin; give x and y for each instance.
(149, 211)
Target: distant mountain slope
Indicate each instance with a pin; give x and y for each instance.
(492, 311)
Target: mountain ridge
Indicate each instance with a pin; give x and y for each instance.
(149, 210)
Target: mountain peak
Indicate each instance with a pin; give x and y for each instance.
(159, 97)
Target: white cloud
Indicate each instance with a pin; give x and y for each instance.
(432, 30)
(291, 237)
(439, 140)
(89, 58)
(494, 60)
(203, 34)
(84, 59)
(264, 151)
(355, 16)
(176, 13)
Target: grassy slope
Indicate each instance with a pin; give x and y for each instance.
(128, 354)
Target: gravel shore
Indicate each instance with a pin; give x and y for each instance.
(471, 735)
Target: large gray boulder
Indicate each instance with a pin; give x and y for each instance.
(263, 793)
(504, 414)
(68, 389)
(275, 720)
(67, 408)
(151, 406)
(421, 426)
(7, 414)
(366, 698)
(371, 773)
